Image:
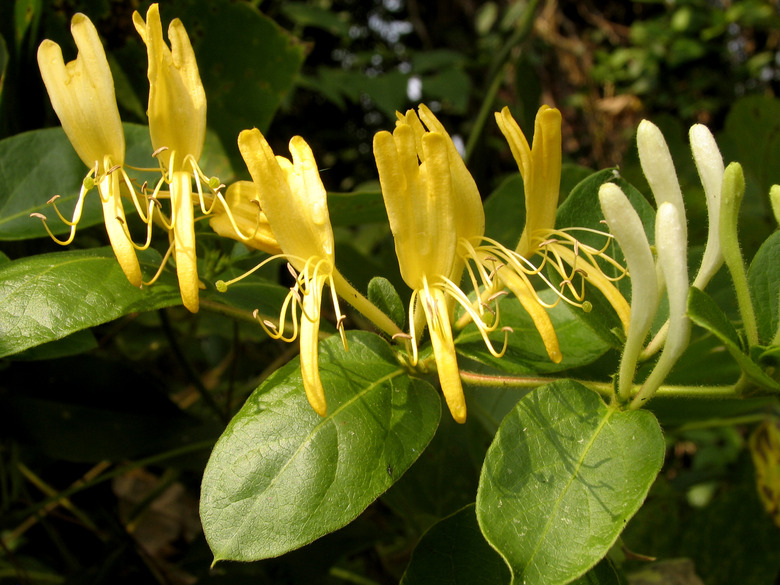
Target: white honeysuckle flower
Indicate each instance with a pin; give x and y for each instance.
(709, 163)
(672, 247)
(625, 225)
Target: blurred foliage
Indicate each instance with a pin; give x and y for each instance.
(104, 434)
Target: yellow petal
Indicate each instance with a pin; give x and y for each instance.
(435, 306)
(184, 239)
(114, 217)
(469, 213)
(538, 313)
(292, 197)
(419, 201)
(540, 167)
(310, 328)
(177, 100)
(82, 95)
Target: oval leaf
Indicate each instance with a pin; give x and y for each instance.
(561, 479)
(281, 476)
(46, 297)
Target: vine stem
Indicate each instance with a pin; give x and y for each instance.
(603, 388)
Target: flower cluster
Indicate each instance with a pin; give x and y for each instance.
(433, 206)
(82, 95)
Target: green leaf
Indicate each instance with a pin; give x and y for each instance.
(562, 477)
(356, 208)
(764, 284)
(703, 311)
(34, 166)
(303, 15)
(281, 476)
(46, 297)
(505, 211)
(383, 294)
(454, 552)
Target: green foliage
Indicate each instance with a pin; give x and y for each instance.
(278, 462)
(561, 461)
(49, 296)
(550, 480)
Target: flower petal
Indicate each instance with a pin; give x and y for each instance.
(82, 95)
(309, 332)
(177, 100)
(434, 304)
(184, 239)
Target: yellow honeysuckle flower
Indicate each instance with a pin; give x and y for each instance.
(82, 95)
(177, 124)
(432, 205)
(540, 166)
(294, 200)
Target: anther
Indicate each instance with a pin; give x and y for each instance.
(340, 321)
(507, 329)
(120, 220)
(270, 325)
(52, 200)
(159, 150)
(291, 270)
(581, 272)
(494, 296)
(256, 202)
(112, 169)
(38, 215)
(401, 336)
(548, 242)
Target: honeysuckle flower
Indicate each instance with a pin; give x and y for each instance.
(625, 225)
(658, 168)
(709, 163)
(82, 95)
(540, 166)
(433, 207)
(177, 124)
(671, 243)
(294, 202)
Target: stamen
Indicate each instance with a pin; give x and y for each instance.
(401, 336)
